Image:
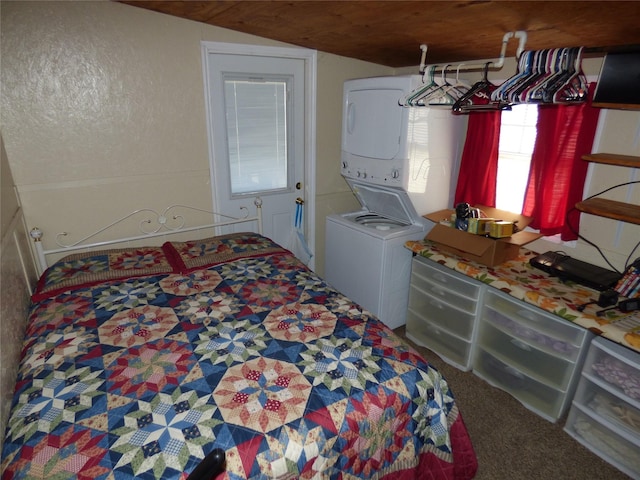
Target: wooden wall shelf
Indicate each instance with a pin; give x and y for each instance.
(626, 212)
(613, 159)
(611, 209)
(617, 106)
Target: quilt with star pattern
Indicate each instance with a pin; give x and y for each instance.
(139, 362)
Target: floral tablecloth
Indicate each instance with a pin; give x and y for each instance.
(520, 280)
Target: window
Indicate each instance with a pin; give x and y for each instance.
(256, 116)
(517, 139)
(564, 133)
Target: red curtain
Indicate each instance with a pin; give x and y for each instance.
(479, 164)
(557, 173)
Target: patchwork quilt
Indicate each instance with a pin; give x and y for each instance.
(138, 363)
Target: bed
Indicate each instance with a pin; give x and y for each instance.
(219, 356)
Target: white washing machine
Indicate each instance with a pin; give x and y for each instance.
(365, 254)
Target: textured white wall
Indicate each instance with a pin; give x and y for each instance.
(103, 111)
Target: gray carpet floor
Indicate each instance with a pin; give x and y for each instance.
(511, 442)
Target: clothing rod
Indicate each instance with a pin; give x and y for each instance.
(520, 34)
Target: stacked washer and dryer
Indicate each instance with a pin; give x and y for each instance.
(401, 163)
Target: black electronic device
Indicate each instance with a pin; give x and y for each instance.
(629, 305)
(605, 299)
(625, 306)
(567, 268)
(618, 80)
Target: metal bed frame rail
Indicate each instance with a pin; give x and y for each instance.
(159, 224)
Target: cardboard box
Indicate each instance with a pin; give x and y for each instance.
(484, 250)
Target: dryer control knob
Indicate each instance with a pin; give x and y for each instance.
(358, 174)
(364, 174)
(395, 173)
(345, 165)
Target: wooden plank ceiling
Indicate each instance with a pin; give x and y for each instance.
(391, 32)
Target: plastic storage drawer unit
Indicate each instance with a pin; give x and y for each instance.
(605, 412)
(443, 310)
(532, 325)
(534, 394)
(532, 354)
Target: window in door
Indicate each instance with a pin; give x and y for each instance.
(257, 136)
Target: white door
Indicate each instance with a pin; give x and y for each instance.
(256, 110)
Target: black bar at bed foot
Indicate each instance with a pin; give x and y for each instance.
(210, 467)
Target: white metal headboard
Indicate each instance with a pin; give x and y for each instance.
(157, 225)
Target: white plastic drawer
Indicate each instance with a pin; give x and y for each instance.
(452, 349)
(447, 278)
(615, 367)
(469, 305)
(530, 334)
(441, 314)
(607, 405)
(546, 368)
(615, 447)
(538, 397)
(527, 321)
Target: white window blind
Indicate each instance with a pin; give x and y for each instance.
(256, 119)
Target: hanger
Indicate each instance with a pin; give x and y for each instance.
(563, 80)
(576, 87)
(556, 75)
(479, 96)
(525, 65)
(546, 69)
(412, 97)
(447, 92)
(546, 76)
(460, 87)
(517, 94)
(440, 96)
